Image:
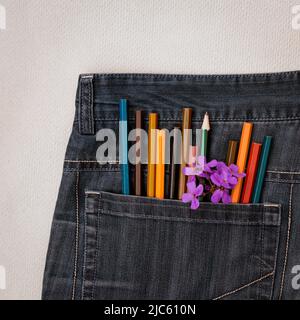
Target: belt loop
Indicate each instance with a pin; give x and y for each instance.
(86, 105)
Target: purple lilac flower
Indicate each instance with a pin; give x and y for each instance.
(219, 195)
(223, 179)
(191, 179)
(234, 169)
(201, 168)
(216, 179)
(208, 167)
(193, 194)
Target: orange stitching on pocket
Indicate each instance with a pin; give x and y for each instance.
(76, 236)
(245, 286)
(287, 242)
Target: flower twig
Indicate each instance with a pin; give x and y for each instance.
(212, 179)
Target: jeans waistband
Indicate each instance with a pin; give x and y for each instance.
(252, 97)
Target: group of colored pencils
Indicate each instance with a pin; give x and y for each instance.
(248, 189)
(245, 191)
(156, 184)
(156, 150)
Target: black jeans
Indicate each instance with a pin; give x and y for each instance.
(109, 246)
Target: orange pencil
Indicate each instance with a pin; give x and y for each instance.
(151, 154)
(242, 159)
(160, 167)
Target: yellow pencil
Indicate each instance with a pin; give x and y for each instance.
(160, 167)
(151, 154)
(242, 159)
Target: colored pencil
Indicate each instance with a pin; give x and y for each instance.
(186, 126)
(174, 165)
(138, 165)
(251, 172)
(160, 166)
(204, 135)
(153, 120)
(262, 167)
(123, 130)
(242, 159)
(232, 152)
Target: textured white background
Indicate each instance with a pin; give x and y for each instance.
(48, 43)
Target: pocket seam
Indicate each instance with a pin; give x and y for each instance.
(287, 241)
(275, 257)
(260, 206)
(76, 236)
(262, 253)
(204, 221)
(248, 218)
(245, 286)
(94, 258)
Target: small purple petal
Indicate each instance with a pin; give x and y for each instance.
(187, 197)
(226, 185)
(201, 161)
(226, 198)
(188, 171)
(234, 168)
(221, 165)
(191, 179)
(195, 204)
(239, 175)
(198, 170)
(199, 190)
(204, 175)
(232, 180)
(215, 178)
(212, 163)
(217, 196)
(191, 186)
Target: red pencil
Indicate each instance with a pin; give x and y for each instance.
(251, 172)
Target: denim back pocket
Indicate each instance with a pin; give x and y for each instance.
(144, 248)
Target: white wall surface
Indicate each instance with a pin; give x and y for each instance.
(46, 45)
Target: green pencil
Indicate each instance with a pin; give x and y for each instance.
(262, 167)
(204, 135)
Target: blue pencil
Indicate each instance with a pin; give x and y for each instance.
(262, 167)
(123, 133)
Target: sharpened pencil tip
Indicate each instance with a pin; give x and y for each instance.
(206, 124)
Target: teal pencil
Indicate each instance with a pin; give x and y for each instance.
(262, 167)
(123, 132)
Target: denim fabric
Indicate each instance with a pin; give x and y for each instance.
(105, 245)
